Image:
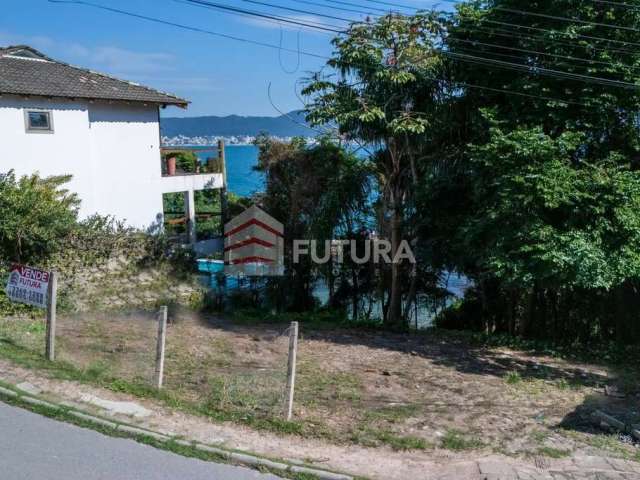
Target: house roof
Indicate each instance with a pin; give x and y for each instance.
(26, 71)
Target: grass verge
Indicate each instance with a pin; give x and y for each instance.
(63, 414)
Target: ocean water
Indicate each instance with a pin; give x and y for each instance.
(241, 178)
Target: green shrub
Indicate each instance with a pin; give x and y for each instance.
(512, 378)
(37, 215)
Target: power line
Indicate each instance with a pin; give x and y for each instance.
(188, 27)
(542, 70)
(280, 7)
(218, 6)
(515, 25)
(316, 4)
(341, 2)
(564, 19)
(410, 7)
(277, 20)
(524, 12)
(476, 59)
(501, 90)
(618, 4)
(494, 31)
(572, 35)
(391, 4)
(546, 30)
(535, 52)
(302, 52)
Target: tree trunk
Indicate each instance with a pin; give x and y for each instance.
(411, 296)
(394, 314)
(355, 292)
(511, 317)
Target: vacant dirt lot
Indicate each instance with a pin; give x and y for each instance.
(424, 393)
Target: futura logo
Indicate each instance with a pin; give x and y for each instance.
(254, 244)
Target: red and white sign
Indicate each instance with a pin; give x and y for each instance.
(254, 244)
(28, 285)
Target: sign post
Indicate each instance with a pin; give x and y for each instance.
(52, 294)
(37, 288)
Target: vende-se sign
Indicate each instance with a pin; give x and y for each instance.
(28, 285)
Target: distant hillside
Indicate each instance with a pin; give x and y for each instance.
(283, 126)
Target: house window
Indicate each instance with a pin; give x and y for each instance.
(38, 121)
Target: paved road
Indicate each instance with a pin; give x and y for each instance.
(35, 447)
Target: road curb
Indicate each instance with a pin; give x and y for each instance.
(235, 457)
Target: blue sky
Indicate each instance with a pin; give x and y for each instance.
(220, 76)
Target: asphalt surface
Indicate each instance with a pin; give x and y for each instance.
(36, 447)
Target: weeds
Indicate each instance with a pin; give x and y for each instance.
(553, 452)
(373, 437)
(456, 441)
(539, 436)
(512, 378)
(315, 383)
(393, 413)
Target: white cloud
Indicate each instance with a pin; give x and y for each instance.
(176, 84)
(275, 25)
(107, 58)
(38, 41)
(119, 59)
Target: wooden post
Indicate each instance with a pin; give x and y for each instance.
(52, 292)
(223, 191)
(223, 162)
(162, 335)
(291, 368)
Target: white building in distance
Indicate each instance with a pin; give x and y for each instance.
(57, 119)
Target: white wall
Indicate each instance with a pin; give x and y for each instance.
(112, 151)
(65, 151)
(125, 151)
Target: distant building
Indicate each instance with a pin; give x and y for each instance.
(58, 119)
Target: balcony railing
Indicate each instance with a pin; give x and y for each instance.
(183, 161)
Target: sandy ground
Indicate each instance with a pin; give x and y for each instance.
(362, 399)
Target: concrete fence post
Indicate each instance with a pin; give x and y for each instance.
(52, 294)
(161, 341)
(291, 368)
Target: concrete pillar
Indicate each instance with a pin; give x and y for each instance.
(190, 211)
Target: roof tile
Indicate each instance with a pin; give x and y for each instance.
(46, 77)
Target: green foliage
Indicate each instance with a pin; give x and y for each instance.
(36, 217)
(582, 222)
(186, 161)
(37, 214)
(208, 211)
(379, 91)
(536, 194)
(318, 192)
(512, 378)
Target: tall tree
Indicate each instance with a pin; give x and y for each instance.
(539, 209)
(380, 92)
(317, 192)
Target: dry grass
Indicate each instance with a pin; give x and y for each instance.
(411, 392)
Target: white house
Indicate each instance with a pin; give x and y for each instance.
(59, 119)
